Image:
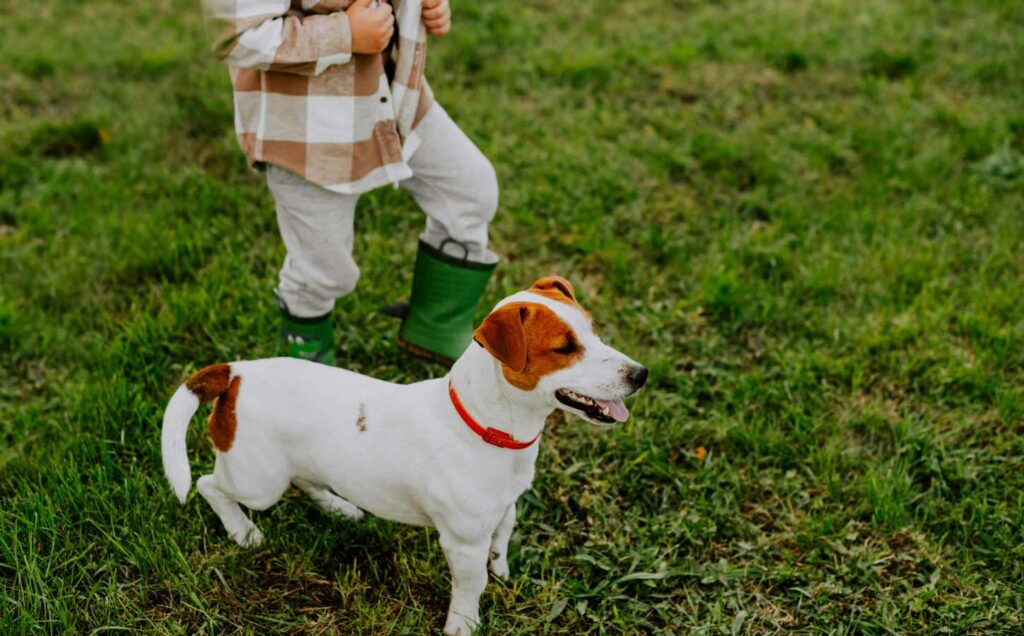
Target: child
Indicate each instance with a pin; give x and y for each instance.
(330, 97)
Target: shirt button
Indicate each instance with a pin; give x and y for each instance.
(383, 100)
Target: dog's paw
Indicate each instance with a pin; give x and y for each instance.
(250, 538)
(332, 504)
(499, 566)
(345, 509)
(349, 511)
(459, 625)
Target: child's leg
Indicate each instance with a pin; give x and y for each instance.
(316, 226)
(456, 187)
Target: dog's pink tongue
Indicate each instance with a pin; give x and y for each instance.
(617, 409)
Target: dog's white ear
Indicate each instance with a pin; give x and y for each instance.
(554, 284)
(502, 334)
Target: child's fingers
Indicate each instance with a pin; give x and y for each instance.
(436, 9)
(384, 18)
(430, 4)
(435, 14)
(439, 29)
(437, 23)
(362, 4)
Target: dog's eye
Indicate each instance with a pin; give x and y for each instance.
(570, 346)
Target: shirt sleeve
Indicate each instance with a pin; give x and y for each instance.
(267, 35)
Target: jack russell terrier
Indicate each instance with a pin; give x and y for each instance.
(453, 453)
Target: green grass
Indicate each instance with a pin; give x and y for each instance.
(806, 217)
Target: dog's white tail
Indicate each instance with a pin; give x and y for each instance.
(204, 386)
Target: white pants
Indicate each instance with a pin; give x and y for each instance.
(453, 183)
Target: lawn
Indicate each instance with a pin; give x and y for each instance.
(806, 217)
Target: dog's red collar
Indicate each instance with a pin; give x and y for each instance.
(490, 435)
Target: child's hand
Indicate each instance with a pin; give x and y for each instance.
(371, 28)
(437, 16)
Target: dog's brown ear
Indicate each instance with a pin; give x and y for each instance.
(503, 335)
(554, 284)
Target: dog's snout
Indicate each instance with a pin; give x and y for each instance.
(637, 375)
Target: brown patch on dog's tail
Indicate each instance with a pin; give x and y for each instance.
(210, 383)
(216, 383)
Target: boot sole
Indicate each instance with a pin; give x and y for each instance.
(420, 353)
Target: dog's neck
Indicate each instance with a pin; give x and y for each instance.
(491, 400)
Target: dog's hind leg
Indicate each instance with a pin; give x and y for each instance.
(239, 527)
(328, 501)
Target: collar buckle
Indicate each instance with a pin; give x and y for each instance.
(496, 437)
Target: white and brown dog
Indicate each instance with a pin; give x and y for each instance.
(453, 453)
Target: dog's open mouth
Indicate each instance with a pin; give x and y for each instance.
(606, 411)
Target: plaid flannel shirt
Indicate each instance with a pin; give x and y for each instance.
(306, 103)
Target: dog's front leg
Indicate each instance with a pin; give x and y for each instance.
(467, 560)
(499, 542)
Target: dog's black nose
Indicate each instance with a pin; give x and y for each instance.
(638, 376)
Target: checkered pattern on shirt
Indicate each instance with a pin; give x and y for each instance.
(305, 102)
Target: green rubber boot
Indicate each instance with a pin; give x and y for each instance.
(438, 325)
(308, 338)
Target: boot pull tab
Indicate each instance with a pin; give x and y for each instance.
(465, 248)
